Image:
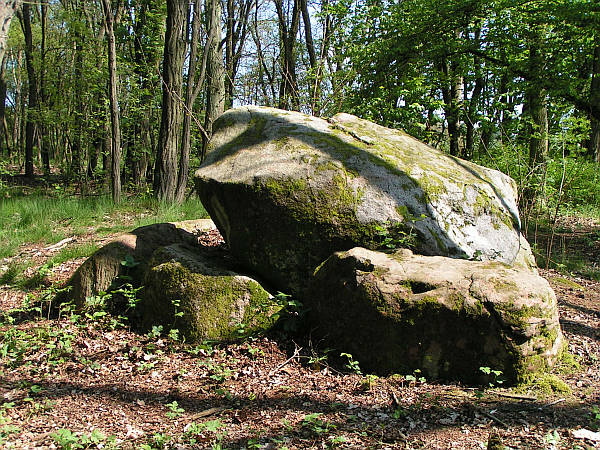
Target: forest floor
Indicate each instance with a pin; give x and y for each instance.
(88, 381)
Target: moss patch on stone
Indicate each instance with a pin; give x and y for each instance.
(206, 306)
(543, 385)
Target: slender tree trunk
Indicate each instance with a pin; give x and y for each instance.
(452, 94)
(186, 136)
(146, 63)
(44, 144)
(594, 146)
(288, 30)
(269, 96)
(7, 11)
(536, 105)
(3, 127)
(32, 84)
(229, 51)
(237, 32)
(165, 172)
(473, 102)
(115, 172)
(215, 98)
(312, 58)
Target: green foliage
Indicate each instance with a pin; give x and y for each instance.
(175, 410)
(218, 372)
(351, 365)
(415, 377)
(292, 314)
(317, 426)
(68, 440)
(594, 417)
(39, 218)
(494, 375)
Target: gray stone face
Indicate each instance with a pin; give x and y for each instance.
(286, 190)
(447, 317)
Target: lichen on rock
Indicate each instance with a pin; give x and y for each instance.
(314, 186)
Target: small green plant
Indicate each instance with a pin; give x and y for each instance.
(253, 443)
(317, 426)
(292, 312)
(69, 440)
(155, 332)
(129, 293)
(494, 375)
(254, 351)
(552, 438)
(175, 410)
(335, 441)
(317, 360)
(212, 425)
(394, 236)
(6, 427)
(352, 365)
(595, 418)
(174, 334)
(369, 381)
(400, 413)
(218, 372)
(145, 366)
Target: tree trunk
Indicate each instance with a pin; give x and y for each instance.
(215, 98)
(288, 92)
(594, 146)
(471, 118)
(32, 85)
(3, 127)
(165, 171)
(312, 58)
(452, 94)
(237, 32)
(536, 105)
(186, 136)
(7, 11)
(115, 172)
(263, 70)
(146, 63)
(44, 144)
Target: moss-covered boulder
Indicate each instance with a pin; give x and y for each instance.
(194, 291)
(127, 255)
(286, 190)
(447, 317)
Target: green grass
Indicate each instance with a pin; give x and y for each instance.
(43, 219)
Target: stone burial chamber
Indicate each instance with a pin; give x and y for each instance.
(405, 257)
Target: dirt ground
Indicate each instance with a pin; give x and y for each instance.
(90, 382)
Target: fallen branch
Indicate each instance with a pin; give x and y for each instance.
(517, 396)
(209, 412)
(494, 418)
(286, 362)
(59, 245)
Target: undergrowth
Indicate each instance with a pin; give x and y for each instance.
(40, 218)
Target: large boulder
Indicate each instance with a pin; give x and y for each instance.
(286, 190)
(194, 291)
(127, 256)
(447, 317)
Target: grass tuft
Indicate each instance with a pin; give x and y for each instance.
(39, 218)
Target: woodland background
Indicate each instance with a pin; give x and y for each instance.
(130, 88)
